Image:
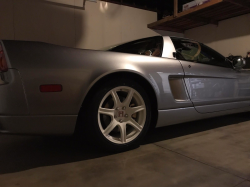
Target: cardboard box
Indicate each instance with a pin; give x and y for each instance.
(187, 6)
(193, 4)
(200, 2)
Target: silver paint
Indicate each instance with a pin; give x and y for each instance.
(12, 97)
(172, 116)
(77, 71)
(212, 85)
(34, 63)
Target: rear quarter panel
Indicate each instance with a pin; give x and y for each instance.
(78, 70)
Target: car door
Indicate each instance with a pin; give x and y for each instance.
(212, 83)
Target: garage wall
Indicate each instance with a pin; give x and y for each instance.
(99, 25)
(169, 33)
(231, 36)
(108, 24)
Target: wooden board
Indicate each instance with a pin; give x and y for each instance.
(209, 13)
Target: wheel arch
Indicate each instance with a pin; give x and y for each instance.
(126, 75)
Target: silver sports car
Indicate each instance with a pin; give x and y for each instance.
(115, 96)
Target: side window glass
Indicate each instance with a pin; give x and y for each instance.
(189, 50)
(149, 47)
(197, 52)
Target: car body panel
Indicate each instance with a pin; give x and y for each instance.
(12, 95)
(35, 63)
(216, 87)
(172, 116)
(77, 71)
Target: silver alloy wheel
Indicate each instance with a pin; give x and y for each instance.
(122, 120)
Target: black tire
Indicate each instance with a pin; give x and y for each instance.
(93, 131)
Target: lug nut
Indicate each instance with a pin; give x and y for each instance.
(123, 108)
(120, 121)
(126, 115)
(117, 108)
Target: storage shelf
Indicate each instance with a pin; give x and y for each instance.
(208, 13)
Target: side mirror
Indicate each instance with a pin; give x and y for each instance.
(238, 62)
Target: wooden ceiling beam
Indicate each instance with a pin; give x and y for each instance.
(183, 14)
(208, 13)
(202, 19)
(173, 29)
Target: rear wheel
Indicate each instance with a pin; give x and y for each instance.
(119, 115)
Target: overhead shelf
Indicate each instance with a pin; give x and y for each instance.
(208, 13)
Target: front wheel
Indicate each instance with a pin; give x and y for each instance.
(119, 115)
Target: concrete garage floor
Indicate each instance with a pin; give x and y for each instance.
(213, 152)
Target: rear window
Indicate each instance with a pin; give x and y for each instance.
(148, 46)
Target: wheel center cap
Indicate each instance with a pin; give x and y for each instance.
(120, 113)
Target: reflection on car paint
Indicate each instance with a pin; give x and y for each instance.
(153, 82)
(211, 88)
(165, 82)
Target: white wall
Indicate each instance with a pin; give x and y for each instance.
(100, 24)
(231, 36)
(169, 33)
(108, 24)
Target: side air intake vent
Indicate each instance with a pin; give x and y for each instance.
(178, 89)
